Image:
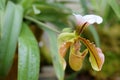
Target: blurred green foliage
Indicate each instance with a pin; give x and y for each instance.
(51, 17)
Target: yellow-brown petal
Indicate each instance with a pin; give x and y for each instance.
(76, 60)
(63, 48)
(96, 55)
(63, 63)
(93, 61)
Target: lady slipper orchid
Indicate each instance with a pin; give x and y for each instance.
(72, 40)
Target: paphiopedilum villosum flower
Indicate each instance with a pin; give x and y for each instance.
(72, 39)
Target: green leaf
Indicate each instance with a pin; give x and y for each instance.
(54, 50)
(96, 4)
(115, 6)
(42, 25)
(61, 24)
(1, 21)
(10, 31)
(28, 57)
(2, 4)
(26, 3)
(95, 35)
(55, 55)
(49, 11)
(84, 6)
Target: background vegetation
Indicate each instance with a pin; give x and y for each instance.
(28, 37)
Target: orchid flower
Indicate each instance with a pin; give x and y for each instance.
(73, 40)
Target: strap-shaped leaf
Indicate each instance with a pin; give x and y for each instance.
(26, 3)
(96, 55)
(95, 34)
(50, 9)
(55, 55)
(10, 31)
(115, 6)
(53, 45)
(1, 21)
(2, 4)
(41, 24)
(28, 57)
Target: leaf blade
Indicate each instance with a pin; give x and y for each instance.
(53, 43)
(95, 35)
(115, 7)
(2, 4)
(2, 8)
(55, 55)
(11, 29)
(28, 58)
